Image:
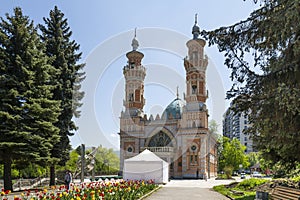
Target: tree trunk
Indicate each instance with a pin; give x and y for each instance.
(7, 174)
(52, 175)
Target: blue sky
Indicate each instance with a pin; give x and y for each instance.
(104, 30)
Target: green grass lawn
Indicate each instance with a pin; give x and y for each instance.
(244, 190)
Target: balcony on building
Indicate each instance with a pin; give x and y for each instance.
(158, 149)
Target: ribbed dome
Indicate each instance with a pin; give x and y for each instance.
(173, 110)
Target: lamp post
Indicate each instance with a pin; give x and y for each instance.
(93, 169)
(82, 162)
(107, 163)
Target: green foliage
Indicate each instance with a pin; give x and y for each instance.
(32, 171)
(222, 176)
(250, 184)
(253, 158)
(232, 154)
(27, 112)
(62, 50)
(221, 189)
(56, 35)
(291, 183)
(106, 161)
(71, 164)
(296, 180)
(243, 190)
(295, 173)
(263, 53)
(14, 172)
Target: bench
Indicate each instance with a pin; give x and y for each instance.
(284, 193)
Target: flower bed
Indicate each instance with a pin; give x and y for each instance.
(114, 189)
(243, 190)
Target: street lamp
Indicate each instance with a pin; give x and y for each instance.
(106, 162)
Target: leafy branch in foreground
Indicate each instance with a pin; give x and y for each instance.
(263, 53)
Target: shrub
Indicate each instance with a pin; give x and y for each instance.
(221, 189)
(222, 176)
(292, 183)
(244, 190)
(250, 184)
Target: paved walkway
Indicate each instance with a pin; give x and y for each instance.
(182, 189)
(189, 189)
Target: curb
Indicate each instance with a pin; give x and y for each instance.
(148, 194)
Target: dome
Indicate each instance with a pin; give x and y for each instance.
(196, 29)
(173, 110)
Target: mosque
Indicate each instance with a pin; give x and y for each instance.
(180, 135)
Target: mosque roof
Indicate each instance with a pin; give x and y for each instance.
(174, 109)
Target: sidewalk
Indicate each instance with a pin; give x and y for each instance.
(189, 189)
(181, 189)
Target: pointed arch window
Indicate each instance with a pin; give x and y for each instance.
(194, 89)
(130, 96)
(194, 154)
(132, 65)
(194, 124)
(160, 139)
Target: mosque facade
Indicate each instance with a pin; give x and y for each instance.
(180, 135)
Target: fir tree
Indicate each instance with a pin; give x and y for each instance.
(63, 50)
(263, 53)
(27, 110)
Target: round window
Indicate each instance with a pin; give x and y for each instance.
(193, 148)
(129, 149)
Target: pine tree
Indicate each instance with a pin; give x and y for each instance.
(263, 53)
(63, 51)
(27, 112)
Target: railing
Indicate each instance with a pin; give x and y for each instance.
(23, 184)
(158, 149)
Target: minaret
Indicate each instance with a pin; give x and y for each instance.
(194, 122)
(134, 73)
(131, 123)
(195, 65)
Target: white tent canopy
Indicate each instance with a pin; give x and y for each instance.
(146, 166)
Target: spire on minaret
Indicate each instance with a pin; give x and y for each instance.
(177, 92)
(196, 29)
(135, 43)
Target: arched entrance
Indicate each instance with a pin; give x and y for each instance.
(160, 139)
(163, 144)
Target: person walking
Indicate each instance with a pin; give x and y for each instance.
(68, 179)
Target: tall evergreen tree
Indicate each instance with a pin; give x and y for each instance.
(263, 53)
(27, 112)
(63, 50)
